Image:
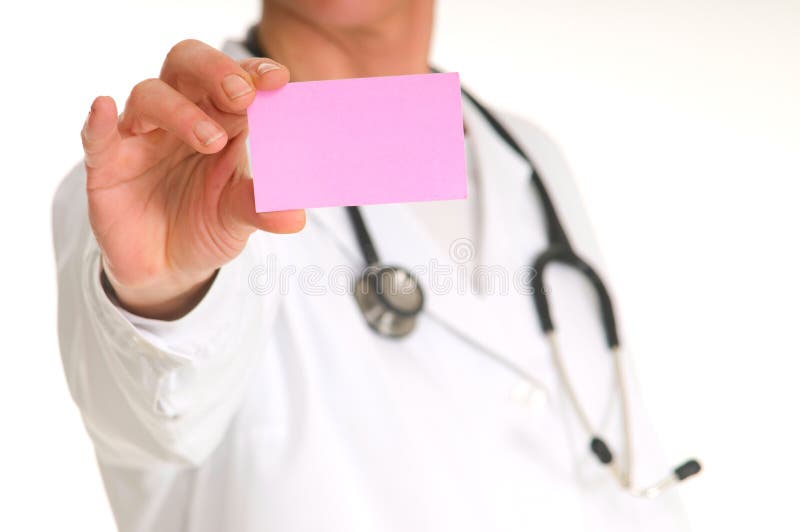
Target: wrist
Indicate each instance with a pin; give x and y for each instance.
(164, 299)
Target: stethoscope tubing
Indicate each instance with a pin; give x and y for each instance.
(558, 250)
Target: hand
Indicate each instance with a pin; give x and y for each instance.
(170, 198)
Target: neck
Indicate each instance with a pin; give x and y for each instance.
(398, 43)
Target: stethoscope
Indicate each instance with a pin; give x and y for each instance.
(391, 299)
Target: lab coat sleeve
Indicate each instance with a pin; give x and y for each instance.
(152, 392)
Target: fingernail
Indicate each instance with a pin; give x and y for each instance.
(235, 86)
(263, 68)
(207, 132)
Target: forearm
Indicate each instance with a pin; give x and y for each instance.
(153, 391)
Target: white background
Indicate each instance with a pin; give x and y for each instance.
(680, 121)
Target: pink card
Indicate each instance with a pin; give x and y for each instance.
(358, 141)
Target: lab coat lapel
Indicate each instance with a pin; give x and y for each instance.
(506, 245)
(504, 187)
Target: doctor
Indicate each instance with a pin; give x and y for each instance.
(228, 379)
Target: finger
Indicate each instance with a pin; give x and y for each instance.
(237, 203)
(266, 74)
(197, 70)
(155, 105)
(100, 136)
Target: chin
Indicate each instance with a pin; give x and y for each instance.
(344, 13)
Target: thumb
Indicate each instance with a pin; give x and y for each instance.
(237, 205)
(240, 205)
(100, 136)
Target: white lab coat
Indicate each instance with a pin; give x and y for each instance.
(277, 408)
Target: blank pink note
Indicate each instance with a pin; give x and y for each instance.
(358, 141)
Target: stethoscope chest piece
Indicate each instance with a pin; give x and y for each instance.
(390, 299)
